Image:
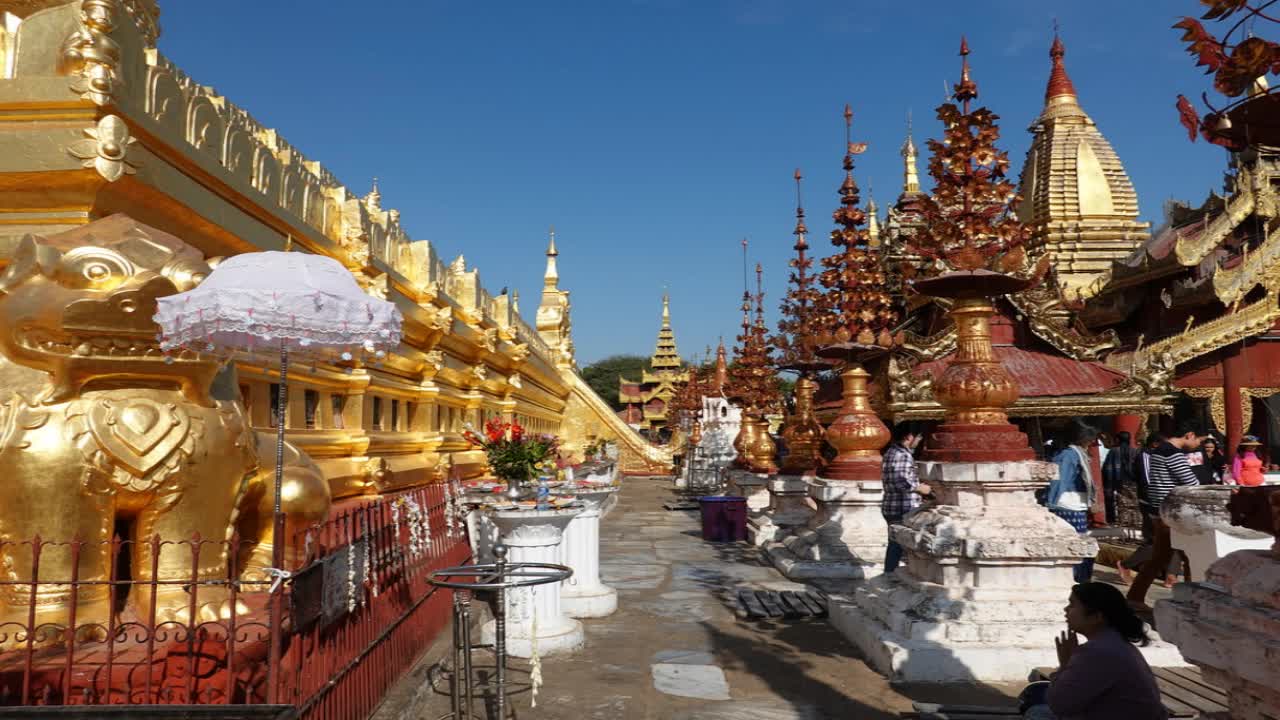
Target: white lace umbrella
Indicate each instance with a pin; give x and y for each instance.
(286, 302)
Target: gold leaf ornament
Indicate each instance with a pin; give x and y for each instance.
(108, 149)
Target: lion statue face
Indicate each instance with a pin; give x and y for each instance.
(79, 305)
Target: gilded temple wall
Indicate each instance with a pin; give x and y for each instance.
(94, 121)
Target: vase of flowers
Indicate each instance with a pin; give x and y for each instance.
(515, 456)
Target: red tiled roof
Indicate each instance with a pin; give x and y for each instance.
(1043, 375)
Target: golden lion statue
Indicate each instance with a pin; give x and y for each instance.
(101, 433)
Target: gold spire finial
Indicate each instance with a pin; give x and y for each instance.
(551, 278)
(873, 219)
(910, 171)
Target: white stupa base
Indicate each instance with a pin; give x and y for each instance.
(844, 539)
(564, 636)
(596, 602)
(980, 593)
(940, 651)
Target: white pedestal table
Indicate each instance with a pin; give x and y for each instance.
(583, 595)
(535, 536)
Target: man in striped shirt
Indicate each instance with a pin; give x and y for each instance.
(1168, 468)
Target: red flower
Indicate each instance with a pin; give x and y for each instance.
(495, 429)
(517, 432)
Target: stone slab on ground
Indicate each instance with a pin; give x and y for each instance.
(704, 682)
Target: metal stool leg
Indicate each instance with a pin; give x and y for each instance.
(457, 685)
(466, 655)
(500, 634)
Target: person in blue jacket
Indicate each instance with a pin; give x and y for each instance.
(1074, 492)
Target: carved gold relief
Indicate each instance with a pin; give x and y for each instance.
(108, 149)
(90, 55)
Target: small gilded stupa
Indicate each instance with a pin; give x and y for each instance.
(905, 219)
(1076, 197)
(646, 401)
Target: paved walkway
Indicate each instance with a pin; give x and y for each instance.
(676, 650)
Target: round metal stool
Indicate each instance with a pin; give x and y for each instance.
(498, 577)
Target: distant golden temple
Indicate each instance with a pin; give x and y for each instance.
(646, 400)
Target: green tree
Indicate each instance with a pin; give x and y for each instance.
(603, 375)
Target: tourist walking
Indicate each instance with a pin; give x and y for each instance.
(1072, 494)
(902, 486)
(1105, 678)
(1117, 471)
(1167, 469)
(1246, 469)
(1133, 563)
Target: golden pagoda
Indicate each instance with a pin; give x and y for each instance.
(646, 401)
(552, 319)
(1076, 197)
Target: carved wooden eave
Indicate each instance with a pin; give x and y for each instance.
(1046, 319)
(910, 397)
(929, 347)
(1260, 266)
(1050, 322)
(1253, 194)
(1246, 322)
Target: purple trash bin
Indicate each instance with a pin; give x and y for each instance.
(724, 518)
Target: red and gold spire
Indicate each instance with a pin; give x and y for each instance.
(1059, 82)
(795, 338)
(855, 308)
(968, 223)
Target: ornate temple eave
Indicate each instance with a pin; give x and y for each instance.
(1066, 406)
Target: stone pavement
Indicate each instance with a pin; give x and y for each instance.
(676, 650)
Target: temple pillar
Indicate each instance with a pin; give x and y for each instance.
(1233, 378)
(1131, 424)
(1098, 512)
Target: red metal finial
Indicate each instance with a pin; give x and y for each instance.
(1059, 82)
(966, 89)
(799, 232)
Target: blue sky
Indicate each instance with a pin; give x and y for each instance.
(656, 134)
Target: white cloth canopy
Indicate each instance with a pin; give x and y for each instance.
(265, 301)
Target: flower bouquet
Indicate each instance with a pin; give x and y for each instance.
(514, 456)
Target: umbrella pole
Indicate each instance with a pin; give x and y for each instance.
(277, 536)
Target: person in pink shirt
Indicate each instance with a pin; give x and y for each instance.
(1246, 469)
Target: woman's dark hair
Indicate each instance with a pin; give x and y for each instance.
(1108, 602)
(903, 429)
(1123, 438)
(1084, 435)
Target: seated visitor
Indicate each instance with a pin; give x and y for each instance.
(1106, 678)
(1247, 467)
